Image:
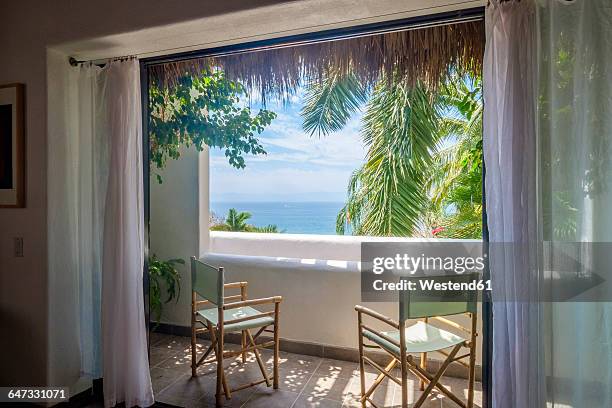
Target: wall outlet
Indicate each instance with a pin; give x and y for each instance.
(18, 247)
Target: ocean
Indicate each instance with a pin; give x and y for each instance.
(289, 217)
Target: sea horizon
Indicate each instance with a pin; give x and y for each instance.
(291, 217)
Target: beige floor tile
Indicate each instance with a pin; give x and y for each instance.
(293, 380)
(276, 399)
(312, 402)
(329, 387)
(159, 354)
(238, 399)
(337, 369)
(305, 381)
(162, 378)
(176, 343)
(383, 396)
(189, 387)
(156, 338)
(177, 362)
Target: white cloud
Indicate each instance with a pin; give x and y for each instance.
(283, 181)
(296, 164)
(340, 148)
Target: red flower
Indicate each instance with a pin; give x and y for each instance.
(436, 231)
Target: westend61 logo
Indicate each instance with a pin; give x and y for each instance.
(425, 267)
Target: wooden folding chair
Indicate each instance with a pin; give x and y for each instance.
(402, 343)
(237, 316)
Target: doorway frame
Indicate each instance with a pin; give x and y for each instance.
(457, 16)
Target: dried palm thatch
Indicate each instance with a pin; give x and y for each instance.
(424, 54)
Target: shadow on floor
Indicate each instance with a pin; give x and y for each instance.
(306, 381)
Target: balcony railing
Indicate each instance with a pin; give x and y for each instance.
(317, 275)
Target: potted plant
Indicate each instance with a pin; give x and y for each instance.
(163, 271)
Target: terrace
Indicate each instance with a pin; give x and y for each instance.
(306, 381)
(330, 84)
(318, 355)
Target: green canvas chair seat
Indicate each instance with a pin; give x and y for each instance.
(403, 341)
(420, 338)
(217, 313)
(212, 316)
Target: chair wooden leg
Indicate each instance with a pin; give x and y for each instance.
(262, 367)
(243, 343)
(437, 377)
(423, 362)
(361, 362)
(222, 387)
(424, 367)
(404, 369)
(471, 379)
(276, 345)
(193, 335)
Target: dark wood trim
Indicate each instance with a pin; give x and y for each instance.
(20, 166)
(487, 309)
(144, 95)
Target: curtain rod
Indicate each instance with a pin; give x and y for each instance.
(100, 62)
(457, 16)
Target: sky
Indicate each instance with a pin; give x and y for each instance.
(298, 167)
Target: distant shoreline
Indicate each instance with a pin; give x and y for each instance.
(293, 217)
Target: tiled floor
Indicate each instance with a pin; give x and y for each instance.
(306, 382)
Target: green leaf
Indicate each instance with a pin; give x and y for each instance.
(330, 102)
(204, 110)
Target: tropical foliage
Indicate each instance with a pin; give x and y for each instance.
(201, 110)
(455, 180)
(237, 221)
(330, 103)
(163, 274)
(385, 195)
(423, 170)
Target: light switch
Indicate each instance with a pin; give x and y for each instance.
(18, 247)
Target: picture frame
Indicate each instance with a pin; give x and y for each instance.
(12, 146)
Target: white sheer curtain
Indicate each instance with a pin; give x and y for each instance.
(77, 171)
(509, 91)
(575, 114)
(96, 229)
(126, 367)
(547, 145)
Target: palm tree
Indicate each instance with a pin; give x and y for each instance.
(236, 221)
(330, 103)
(423, 165)
(386, 195)
(455, 180)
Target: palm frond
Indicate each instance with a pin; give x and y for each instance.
(330, 102)
(386, 195)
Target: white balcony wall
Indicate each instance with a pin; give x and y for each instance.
(317, 275)
(179, 221)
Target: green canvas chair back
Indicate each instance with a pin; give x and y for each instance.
(207, 281)
(428, 303)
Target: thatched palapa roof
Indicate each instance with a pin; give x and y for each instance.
(423, 54)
